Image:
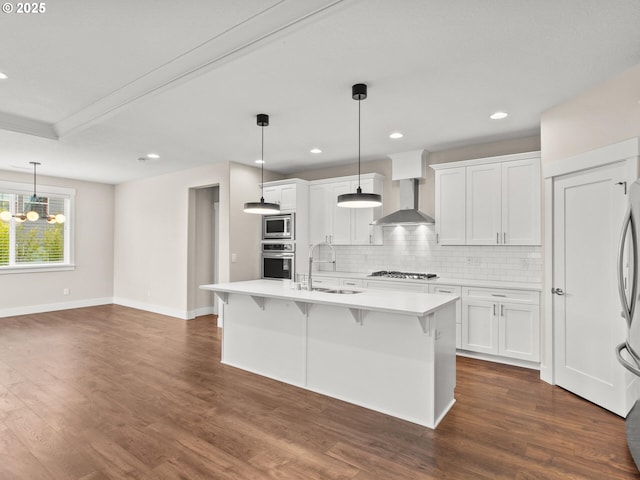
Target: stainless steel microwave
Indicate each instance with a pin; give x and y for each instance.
(278, 227)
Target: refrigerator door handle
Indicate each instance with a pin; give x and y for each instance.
(627, 310)
(625, 363)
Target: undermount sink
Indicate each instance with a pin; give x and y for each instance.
(336, 290)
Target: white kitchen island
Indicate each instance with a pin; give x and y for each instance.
(393, 352)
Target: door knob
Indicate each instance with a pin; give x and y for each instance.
(557, 291)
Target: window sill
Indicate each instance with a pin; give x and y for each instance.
(37, 268)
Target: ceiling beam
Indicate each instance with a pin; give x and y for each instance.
(16, 123)
(224, 47)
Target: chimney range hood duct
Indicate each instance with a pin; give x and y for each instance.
(407, 167)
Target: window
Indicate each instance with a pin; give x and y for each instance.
(40, 244)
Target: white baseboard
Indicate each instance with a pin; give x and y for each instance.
(198, 312)
(496, 359)
(93, 302)
(149, 307)
(53, 307)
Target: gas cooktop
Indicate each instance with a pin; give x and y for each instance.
(404, 275)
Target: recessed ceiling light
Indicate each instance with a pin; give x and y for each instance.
(259, 161)
(396, 135)
(498, 115)
(315, 150)
(3, 76)
(153, 155)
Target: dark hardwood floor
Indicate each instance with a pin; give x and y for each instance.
(115, 393)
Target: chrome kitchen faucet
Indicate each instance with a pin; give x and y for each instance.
(311, 250)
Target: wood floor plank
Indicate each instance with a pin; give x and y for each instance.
(111, 392)
(57, 456)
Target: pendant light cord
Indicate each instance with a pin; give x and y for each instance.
(35, 164)
(262, 165)
(359, 128)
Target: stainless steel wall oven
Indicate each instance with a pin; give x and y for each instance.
(278, 261)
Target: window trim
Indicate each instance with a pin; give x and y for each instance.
(69, 194)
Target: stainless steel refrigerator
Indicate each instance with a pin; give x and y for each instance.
(628, 352)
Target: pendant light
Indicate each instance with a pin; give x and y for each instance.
(32, 215)
(359, 199)
(262, 207)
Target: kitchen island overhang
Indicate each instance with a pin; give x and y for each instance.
(393, 352)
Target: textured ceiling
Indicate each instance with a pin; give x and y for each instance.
(93, 85)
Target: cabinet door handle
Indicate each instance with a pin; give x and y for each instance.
(437, 238)
(625, 186)
(498, 295)
(445, 291)
(497, 237)
(502, 311)
(494, 309)
(504, 238)
(370, 239)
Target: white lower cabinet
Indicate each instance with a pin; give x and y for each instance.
(519, 331)
(501, 322)
(479, 327)
(452, 290)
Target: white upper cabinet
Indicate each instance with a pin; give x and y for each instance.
(490, 201)
(284, 195)
(450, 206)
(484, 204)
(521, 202)
(319, 218)
(339, 225)
(362, 232)
(340, 233)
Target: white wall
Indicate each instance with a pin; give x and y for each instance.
(605, 114)
(152, 243)
(245, 229)
(91, 283)
(151, 238)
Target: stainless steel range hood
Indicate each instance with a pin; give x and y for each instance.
(407, 168)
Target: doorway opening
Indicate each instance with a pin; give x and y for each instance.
(203, 245)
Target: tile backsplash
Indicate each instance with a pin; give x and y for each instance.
(414, 249)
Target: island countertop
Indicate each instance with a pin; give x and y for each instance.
(397, 302)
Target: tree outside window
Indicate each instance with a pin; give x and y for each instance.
(43, 242)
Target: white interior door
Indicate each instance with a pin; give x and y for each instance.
(588, 209)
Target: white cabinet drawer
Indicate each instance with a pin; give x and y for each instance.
(401, 286)
(447, 289)
(501, 295)
(325, 281)
(350, 282)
